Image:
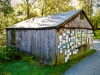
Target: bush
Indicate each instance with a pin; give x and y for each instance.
(8, 53)
(97, 34)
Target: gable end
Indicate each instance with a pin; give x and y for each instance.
(79, 20)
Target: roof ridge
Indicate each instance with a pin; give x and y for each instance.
(50, 21)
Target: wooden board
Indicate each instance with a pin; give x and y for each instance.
(78, 23)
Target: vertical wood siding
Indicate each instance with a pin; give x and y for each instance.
(8, 37)
(78, 23)
(40, 43)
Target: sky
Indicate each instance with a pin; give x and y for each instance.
(15, 2)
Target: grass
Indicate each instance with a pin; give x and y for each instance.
(27, 66)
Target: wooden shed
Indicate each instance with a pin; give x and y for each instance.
(53, 39)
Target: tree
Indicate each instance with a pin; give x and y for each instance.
(5, 9)
(28, 5)
(97, 3)
(5, 16)
(47, 7)
(87, 5)
(96, 19)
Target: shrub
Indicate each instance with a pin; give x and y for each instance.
(8, 53)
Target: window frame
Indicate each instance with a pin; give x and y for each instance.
(13, 37)
(81, 16)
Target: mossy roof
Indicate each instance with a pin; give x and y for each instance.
(50, 21)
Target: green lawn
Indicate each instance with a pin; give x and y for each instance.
(28, 66)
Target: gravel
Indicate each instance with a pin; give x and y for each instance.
(89, 65)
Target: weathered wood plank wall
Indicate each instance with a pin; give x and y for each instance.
(40, 43)
(8, 37)
(78, 23)
(73, 39)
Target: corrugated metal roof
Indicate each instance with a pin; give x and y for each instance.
(46, 21)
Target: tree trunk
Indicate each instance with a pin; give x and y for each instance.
(28, 11)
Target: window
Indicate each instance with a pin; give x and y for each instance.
(81, 16)
(13, 37)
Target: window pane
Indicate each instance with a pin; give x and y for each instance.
(13, 38)
(81, 16)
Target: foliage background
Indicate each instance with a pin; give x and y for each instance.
(34, 8)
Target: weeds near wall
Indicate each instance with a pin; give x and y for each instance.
(8, 53)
